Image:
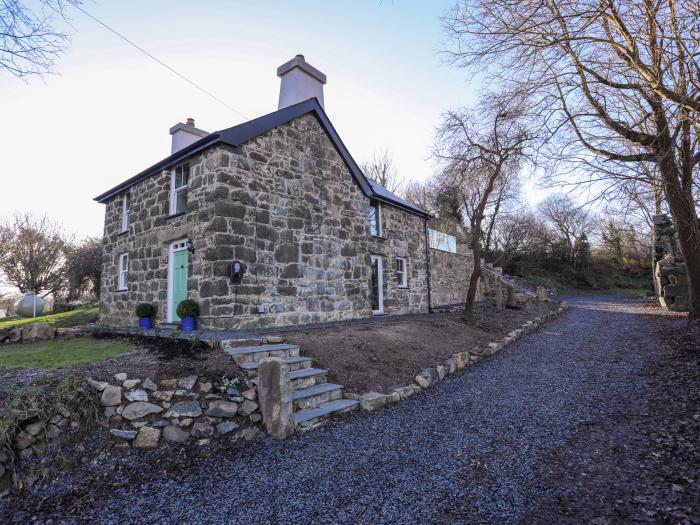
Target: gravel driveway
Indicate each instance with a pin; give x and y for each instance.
(470, 450)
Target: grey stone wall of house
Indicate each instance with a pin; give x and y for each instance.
(402, 235)
(150, 232)
(449, 277)
(284, 204)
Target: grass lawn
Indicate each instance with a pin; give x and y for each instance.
(61, 353)
(76, 317)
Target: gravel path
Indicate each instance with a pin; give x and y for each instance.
(467, 451)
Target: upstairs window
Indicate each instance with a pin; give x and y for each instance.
(123, 271)
(178, 193)
(401, 273)
(125, 212)
(375, 219)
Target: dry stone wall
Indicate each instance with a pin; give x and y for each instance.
(145, 414)
(670, 277)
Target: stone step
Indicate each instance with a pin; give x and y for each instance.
(308, 377)
(313, 396)
(311, 416)
(249, 354)
(296, 362)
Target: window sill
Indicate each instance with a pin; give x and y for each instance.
(120, 290)
(380, 237)
(175, 215)
(123, 232)
(404, 287)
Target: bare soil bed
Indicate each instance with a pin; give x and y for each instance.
(382, 354)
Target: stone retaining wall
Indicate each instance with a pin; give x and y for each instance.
(145, 414)
(449, 277)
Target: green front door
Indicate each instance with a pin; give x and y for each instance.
(179, 280)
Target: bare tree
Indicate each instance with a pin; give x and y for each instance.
(84, 268)
(29, 39)
(568, 218)
(32, 254)
(479, 149)
(435, 198)
(380, 168)
(612, 80)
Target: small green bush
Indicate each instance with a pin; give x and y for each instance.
(145, 310)
(188, 308)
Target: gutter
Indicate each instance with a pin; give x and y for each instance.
(427, 264)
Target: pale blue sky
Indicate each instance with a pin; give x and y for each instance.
(69, 137)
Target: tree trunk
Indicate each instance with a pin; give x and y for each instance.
(476, 273)
(688, 228)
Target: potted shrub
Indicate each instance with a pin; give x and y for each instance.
(145, 313)
(187, 311)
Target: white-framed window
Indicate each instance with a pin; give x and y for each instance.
(123, 271)
(401, 272)
(375, 219)
(125, 212)
(178, 189)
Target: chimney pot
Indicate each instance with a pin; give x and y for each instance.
(300, 81)
(190, 122)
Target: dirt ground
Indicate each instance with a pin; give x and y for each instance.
(382, 354)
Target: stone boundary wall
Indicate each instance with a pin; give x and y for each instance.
(670, 277)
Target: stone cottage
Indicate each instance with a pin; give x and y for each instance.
(269, 223)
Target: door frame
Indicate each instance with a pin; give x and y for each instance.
(172, 249)
(380, 283)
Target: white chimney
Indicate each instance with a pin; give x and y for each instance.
(185, 134)
(300, 81)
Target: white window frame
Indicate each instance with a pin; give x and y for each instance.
(380, 283)
(125, 212)
(376, 205)
(403, 274)
(123, 271)
(174, 191)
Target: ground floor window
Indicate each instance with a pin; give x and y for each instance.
(401, 273)
(123, 271)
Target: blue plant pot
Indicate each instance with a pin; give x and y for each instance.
(188, 324)
(145, 323)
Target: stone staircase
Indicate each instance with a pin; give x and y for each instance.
(314, 398)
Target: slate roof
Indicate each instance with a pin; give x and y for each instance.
(238, 135)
